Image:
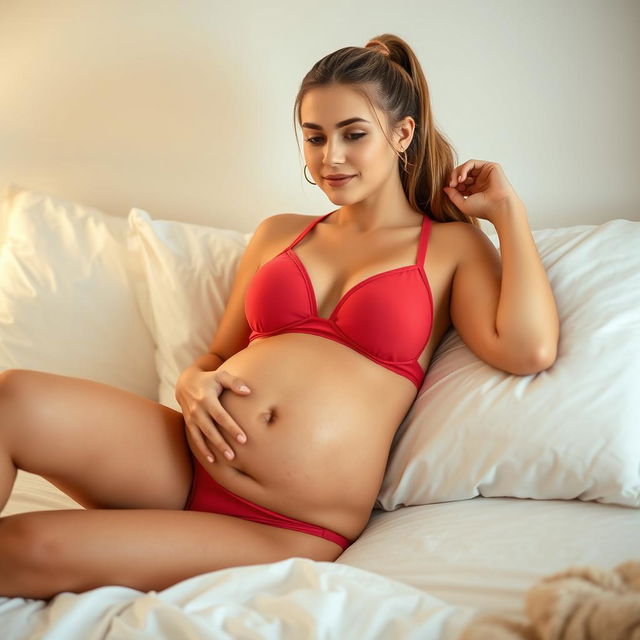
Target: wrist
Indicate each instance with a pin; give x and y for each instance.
(508, 209)
(187, 372)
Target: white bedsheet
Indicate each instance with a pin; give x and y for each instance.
(295, 598)
(488, 552)
(418, 572)
(292, 599)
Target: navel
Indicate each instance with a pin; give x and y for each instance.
(269, 416)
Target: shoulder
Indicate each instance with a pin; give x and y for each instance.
(275, 232)
(284, 227)
(284, 218)
(284, 222)
(467, 242)
(463, 231)
(272, 227)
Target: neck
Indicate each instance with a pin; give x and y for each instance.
(386, 209)
(360, 220)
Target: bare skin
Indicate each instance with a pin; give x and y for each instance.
(126, 458)
(319, 420)
(316, 450)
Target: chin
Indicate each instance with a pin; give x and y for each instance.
(341, 196)
(341, 201)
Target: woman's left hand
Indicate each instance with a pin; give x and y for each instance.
(486, 186)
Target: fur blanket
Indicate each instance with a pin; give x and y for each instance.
(579, 603)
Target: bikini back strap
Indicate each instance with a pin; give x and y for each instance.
(424, 240)
(308, 228)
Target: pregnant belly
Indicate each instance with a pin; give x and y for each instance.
(319, 421)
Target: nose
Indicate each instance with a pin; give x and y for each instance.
(333, 153)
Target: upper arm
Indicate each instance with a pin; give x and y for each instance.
(474, 299)
(233, 331)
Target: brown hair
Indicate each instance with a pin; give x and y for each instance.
(388, 74)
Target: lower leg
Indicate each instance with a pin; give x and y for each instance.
(47, 552)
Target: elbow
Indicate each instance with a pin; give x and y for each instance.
(543, 358)
(518, 360)
(526, 364)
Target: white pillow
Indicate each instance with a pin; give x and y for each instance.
(189, 270)
(571, 431)
(67, 304)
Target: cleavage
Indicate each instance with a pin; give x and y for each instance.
(323, 244)
(332, 292)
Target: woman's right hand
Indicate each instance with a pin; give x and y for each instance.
(197, 393)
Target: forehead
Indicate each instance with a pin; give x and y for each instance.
(328, 105)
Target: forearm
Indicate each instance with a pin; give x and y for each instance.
(527, 317)
(207, 362)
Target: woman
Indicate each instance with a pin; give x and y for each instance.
(331, 323)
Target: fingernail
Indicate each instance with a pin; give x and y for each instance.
(242, 437)
(244, 388)
(210, 458)
(228, 454)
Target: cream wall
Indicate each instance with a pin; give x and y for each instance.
(185, 108)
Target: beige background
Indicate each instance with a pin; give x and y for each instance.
(185, 109)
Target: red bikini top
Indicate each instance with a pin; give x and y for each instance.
(387, 317)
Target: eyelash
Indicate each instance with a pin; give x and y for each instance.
(358, 135)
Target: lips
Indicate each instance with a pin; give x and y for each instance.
(340, 181)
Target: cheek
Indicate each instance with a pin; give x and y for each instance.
(374, 157)
(370, 158)
(365, 156)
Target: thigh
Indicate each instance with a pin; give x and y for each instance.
(46, 552)
(103, 446)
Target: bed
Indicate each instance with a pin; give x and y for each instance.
(509, 506)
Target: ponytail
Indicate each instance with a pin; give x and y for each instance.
(388, 74)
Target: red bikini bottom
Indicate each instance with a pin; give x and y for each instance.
(208, 495)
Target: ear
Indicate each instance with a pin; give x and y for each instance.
(404, 132)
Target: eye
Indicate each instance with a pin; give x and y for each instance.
(357, 136)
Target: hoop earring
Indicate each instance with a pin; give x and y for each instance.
(305, 175)
(404, 160)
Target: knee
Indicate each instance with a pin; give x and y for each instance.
(25, 547)
(11, 380)
(27, 557)
(18, 390)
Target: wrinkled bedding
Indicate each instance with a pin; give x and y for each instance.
(291, 599)
(432, 571)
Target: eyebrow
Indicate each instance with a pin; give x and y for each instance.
(342, 123)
